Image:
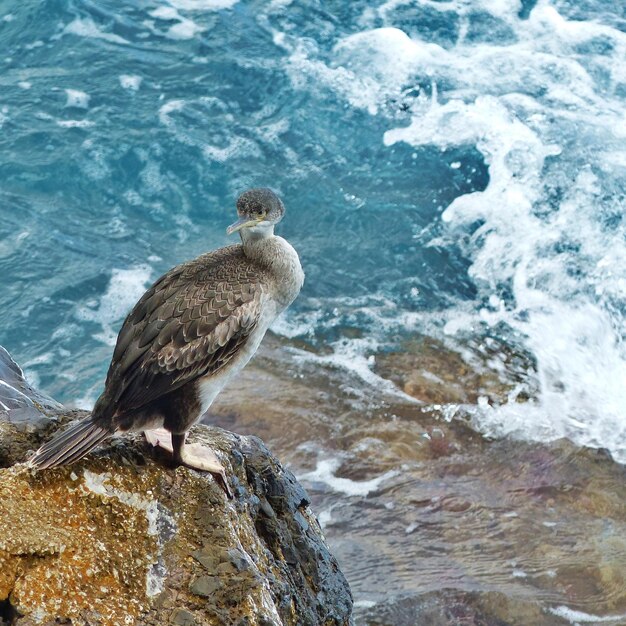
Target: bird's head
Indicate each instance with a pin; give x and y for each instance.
(259, 210)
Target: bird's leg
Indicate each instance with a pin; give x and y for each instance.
(178, 443)
(193, 455)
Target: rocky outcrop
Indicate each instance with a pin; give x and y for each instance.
(119, 538)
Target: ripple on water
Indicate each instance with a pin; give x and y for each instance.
(453, 173)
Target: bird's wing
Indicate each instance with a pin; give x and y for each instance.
(190, 323)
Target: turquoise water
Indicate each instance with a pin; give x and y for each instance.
(453, 169)
(450, 168)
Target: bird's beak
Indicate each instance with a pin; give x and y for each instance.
(242, 222)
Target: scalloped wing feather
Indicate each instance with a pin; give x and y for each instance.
(190, 323)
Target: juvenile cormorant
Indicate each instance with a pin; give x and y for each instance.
(188, 335)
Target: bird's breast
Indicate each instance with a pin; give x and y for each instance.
(287, 273)
(209, 386)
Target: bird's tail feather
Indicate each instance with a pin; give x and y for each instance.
(70, 445)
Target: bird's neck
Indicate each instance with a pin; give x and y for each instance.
(259, 244)
(278, 257)
(251, 237)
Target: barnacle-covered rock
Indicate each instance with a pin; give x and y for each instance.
(120, 538)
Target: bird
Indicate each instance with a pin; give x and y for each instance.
(190, 333)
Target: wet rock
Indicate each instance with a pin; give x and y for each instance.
(435, 374)
(119, 538)
(435, 524)
(17, 396)
(448, 608)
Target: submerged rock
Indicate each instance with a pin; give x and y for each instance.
(435, 524)
(119, 538)
(433, 373)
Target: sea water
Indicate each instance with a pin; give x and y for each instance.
(450, 168)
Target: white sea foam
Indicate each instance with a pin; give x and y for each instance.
(184, 28)
(86, 27)
(377, 316)
(324, 472)
(76, 98)
(130, 81)
(170, 107)
(325, 517)
(544, 116)
(75, 123)
(351, 354)
(226, 145)
(86, 401)
(203, 5)
(383, 60)
(578, 617)
(125, 288)
(364, 604)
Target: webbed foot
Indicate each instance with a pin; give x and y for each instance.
(193, 455)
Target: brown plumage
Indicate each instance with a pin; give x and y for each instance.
(189, 333)
(189, 324)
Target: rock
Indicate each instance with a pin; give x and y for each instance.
(206, 586)
(180, 617)
(433, 373)
(433, 522)
(449, 607)
(118, 538)
(17, 396)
